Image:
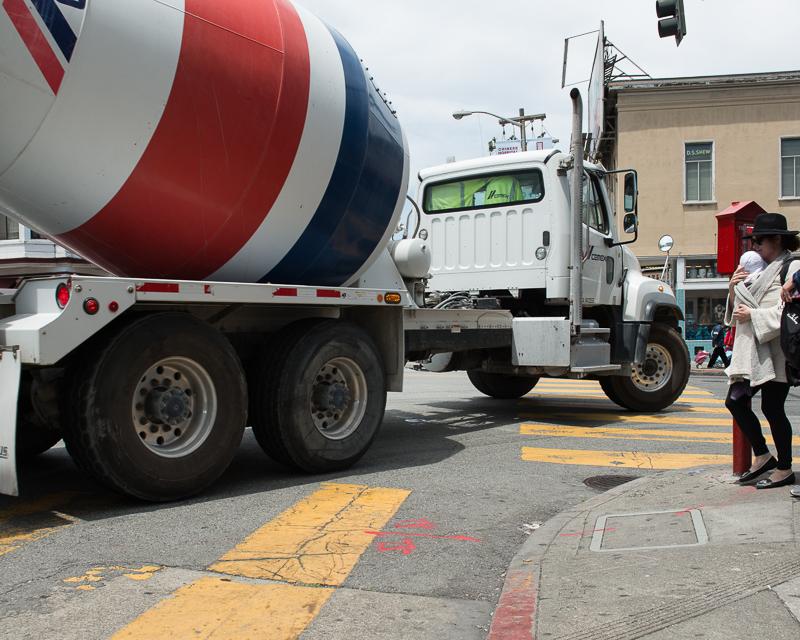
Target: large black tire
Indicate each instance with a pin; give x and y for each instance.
(659, 380)
(501, 386)
(318, 402)
(159, 412)
(35, 433)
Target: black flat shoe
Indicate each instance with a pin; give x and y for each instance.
(769, 484)
(749, 476)
(795, 492)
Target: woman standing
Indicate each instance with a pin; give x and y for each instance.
(758, 363)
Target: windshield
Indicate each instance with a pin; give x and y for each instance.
(488, 190)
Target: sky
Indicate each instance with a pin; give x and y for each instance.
(434, 57)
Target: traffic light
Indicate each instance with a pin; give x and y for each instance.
(672, 19)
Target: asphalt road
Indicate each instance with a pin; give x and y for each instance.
(412, 542)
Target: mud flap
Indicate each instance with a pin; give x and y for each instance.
(10, 370)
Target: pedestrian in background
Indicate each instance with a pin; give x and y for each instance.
(758, 363)
(718, 342)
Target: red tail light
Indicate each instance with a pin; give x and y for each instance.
(91, 306)
(62, 295)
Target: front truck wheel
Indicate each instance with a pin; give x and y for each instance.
(319, 397)
(658, 381)
(160, 412)
(501, 386)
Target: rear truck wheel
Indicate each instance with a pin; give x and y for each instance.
(501, 386)
(318, 405)
(657, 382)
(35, 432)
(160, 412)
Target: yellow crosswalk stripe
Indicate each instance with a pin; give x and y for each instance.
(309, 549)
(544, 393)
(624, 433)
(596, 388)
(211, 608)
(317, 541)
(31, 521)
(649, 418)
(552, 408)
(622, 459)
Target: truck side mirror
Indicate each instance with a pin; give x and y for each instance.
(631, 193)
(630, 223)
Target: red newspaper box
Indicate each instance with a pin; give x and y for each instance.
(733, 223)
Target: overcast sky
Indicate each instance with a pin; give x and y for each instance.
(434, 57)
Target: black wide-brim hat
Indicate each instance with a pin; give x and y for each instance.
(770, 224)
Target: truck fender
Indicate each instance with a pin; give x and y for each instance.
(655, 311)
(10, 373)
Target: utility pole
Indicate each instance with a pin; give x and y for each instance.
(523, 133)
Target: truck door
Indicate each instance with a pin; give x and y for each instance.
(600, 269)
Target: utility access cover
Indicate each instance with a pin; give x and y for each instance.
(656, 530)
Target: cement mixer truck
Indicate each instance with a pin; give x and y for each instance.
(235, 168)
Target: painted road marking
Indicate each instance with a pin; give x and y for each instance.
(677, 408)
(313, 546)
(639, 418)
(623, 433)
(591, 394)
(620, 459)
(223, 610)
(559, 390)
(28, 522)
(317, 541)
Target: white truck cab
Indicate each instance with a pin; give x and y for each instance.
(503, 223)
(518, 233)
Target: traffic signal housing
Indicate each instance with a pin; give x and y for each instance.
(672, 20)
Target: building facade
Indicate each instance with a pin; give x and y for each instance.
(25, 253)
(700, 144)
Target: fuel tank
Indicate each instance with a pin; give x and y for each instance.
(238, 141)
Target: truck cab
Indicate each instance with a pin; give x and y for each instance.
(503, 224)
(500, 232)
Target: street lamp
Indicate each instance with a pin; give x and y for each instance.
(519, 122)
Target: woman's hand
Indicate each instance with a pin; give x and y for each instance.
(742, 313)
(738, 276)
(787, 291)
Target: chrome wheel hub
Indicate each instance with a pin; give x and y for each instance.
(338, 398)
(655, 372)
(174, 407)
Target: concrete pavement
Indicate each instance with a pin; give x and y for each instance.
(680, 554)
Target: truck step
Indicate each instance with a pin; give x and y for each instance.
(596, 369)
(595, 331)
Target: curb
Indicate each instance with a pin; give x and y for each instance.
(515, 615)
(720, 373)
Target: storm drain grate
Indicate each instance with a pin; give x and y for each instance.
(604, 483)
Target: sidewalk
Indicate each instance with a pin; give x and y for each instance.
(681, 554)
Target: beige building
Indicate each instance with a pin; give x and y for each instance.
(700, 144)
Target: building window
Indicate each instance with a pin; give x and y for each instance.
(699, 171)
(9, 230)
(790, 168)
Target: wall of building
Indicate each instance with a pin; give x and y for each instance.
(745, 123)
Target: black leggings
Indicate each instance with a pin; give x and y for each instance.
(773, 398)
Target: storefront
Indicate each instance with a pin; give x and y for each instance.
(702, 294)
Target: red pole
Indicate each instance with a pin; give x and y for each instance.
(742, 453)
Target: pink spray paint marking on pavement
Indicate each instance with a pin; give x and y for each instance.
(407, 546)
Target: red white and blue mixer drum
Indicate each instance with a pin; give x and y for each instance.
(239, 141)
